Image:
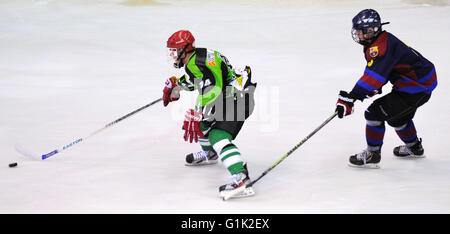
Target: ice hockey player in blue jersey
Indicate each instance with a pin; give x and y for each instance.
(413, 78)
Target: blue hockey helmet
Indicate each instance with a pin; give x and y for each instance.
(366, 26)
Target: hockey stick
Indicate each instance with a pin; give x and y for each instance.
(242, 188)
(47, 155)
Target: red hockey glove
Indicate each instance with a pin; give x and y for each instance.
(191, 125)
(168, 95)
(344, 105)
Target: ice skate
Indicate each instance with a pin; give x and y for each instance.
(240, 179)
(365, 159)
(413, 151)
(201, 158)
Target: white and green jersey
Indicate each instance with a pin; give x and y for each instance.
(210, 73)
(225, 99)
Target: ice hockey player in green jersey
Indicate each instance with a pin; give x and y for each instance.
(224, 102)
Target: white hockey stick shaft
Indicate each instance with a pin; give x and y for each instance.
(47, 155)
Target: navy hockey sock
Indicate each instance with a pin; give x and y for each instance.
(374, 132)
(375, 135)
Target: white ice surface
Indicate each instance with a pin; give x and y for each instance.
(67, 68)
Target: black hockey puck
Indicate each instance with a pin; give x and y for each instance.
(12, 164)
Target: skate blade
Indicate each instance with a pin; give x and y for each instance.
(370, 166)
(210, 162)
(237, 193)
(411, 156)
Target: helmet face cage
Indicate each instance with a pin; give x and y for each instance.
(371, 33)
(355, 34)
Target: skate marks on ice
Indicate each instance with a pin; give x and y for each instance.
(142, 3)
(157, 3)
(427, 2)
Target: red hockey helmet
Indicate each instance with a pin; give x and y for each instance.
(181, 39)
(180, 43)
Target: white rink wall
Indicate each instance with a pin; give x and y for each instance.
(67, 68)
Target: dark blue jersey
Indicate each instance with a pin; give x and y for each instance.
(389, 59)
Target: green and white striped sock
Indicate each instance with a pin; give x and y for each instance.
(229, 154)
(231, 158)
(204, 143)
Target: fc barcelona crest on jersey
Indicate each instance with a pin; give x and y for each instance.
(373, 51)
